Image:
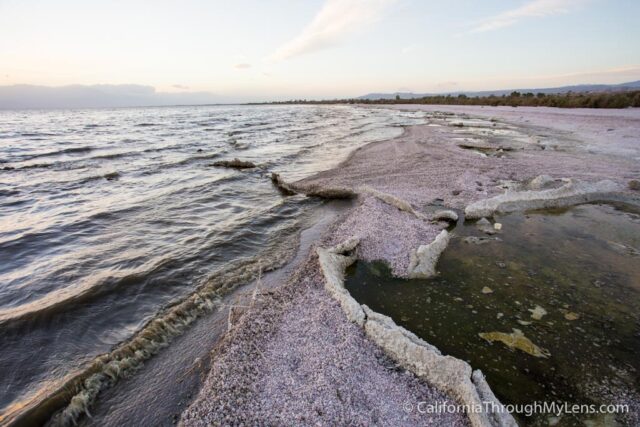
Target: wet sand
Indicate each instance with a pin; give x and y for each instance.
(293, 357)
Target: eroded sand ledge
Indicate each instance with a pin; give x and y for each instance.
(309, 353)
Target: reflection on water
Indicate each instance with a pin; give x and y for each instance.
(568, 280)
(109, 215)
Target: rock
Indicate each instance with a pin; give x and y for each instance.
(524, 322)
(571, 316)
(392, 200)
(567, 195)
(329, 193)
(312, 191)
(479, 240)
(497, 226)
(423, 260)
(541, 182)
(634, 185)
(484, 225)
(487, 290)
(501, 264)
(456, 192)
(281, 185)
(516, 340)
(234, 164)
(538, 312)
(446, 215)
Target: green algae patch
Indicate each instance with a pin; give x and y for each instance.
(516, 340)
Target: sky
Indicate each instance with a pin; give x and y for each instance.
(282, 49)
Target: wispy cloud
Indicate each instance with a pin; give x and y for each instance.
(337, 20)
(532, 9)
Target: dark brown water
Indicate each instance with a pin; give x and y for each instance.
(109, 217)
(582, 266)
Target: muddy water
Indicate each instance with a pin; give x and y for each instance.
(581, 266)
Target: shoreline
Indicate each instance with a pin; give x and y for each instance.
(383, 174)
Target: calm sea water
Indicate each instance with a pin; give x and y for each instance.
(107, 216)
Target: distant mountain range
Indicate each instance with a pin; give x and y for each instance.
(563, 89)
(96, 96)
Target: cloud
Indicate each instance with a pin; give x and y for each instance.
(337, 20)
(242, 66)
(181, 87)
(532, 9)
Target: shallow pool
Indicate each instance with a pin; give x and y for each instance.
(568, 280)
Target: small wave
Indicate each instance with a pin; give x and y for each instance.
(191, 159)
(96, 125)
(9, 193)
(58, 166)
(58, 301)
(111, 176)
(72, 150)
(146, 124)
(111, 156)
(239, 145)
(210, 122)
(36, 166)
(251, 124)
(33, 134)
(204, 156)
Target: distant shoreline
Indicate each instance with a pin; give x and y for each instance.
(608, 100)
